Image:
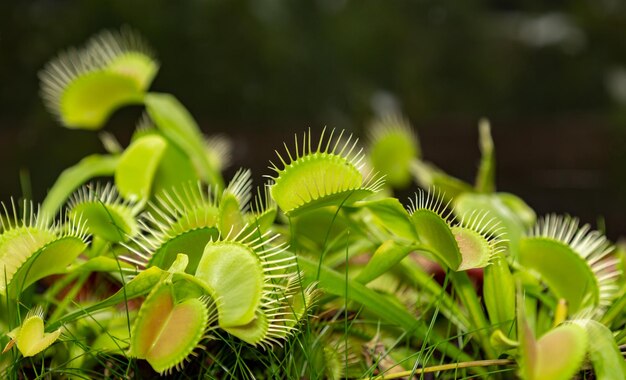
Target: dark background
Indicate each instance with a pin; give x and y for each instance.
(550, 75)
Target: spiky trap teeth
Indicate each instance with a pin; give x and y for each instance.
(574, 261)
(328, 175)
(82, 87)
(106, 214)
(479, 237)
(31, 247)
(256, 287)
(187, 217)
(471, 243)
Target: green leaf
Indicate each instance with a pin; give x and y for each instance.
(105, 214)
(138, 286)
(17, 246)
(236, 275)
(83, 87)
(391, 215)
(235, 199)
(191, 243)
(166, 331)
(386, 257)
(101, 264)
(90, 99)
(566, 273)
(606, 358)
(253, 332)
(327, 175)
(175, 122)
(499, 294)
(231, 220)
(175, 168)
(31, 338)
(53, 258)
(138, 164)
(560, 353)
(292, 191)
(435, 235)
(73, 177)
(335, 283)
(393, 145)
(512, 213)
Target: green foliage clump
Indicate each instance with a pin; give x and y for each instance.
(167, 267)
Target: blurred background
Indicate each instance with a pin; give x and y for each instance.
(550, 75)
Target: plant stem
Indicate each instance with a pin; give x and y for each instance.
(443, 367)
(467, 293)
(425, 281)
(69, 297)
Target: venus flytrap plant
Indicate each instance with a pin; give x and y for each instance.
(201, 277)
(558, 354)
(170, 325)
(30, 338)
(392, 146)
(106, 214)
(470, 244)
(234, 204)
(327, 176)
(603, 353)
(173, 120)
(82, 87)
(186, 218)
(32, 248)
(430, 219)
(263, 211)
(255, 286)
(556, 246)
(137, 167)
(119, 67)
(480, 238)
